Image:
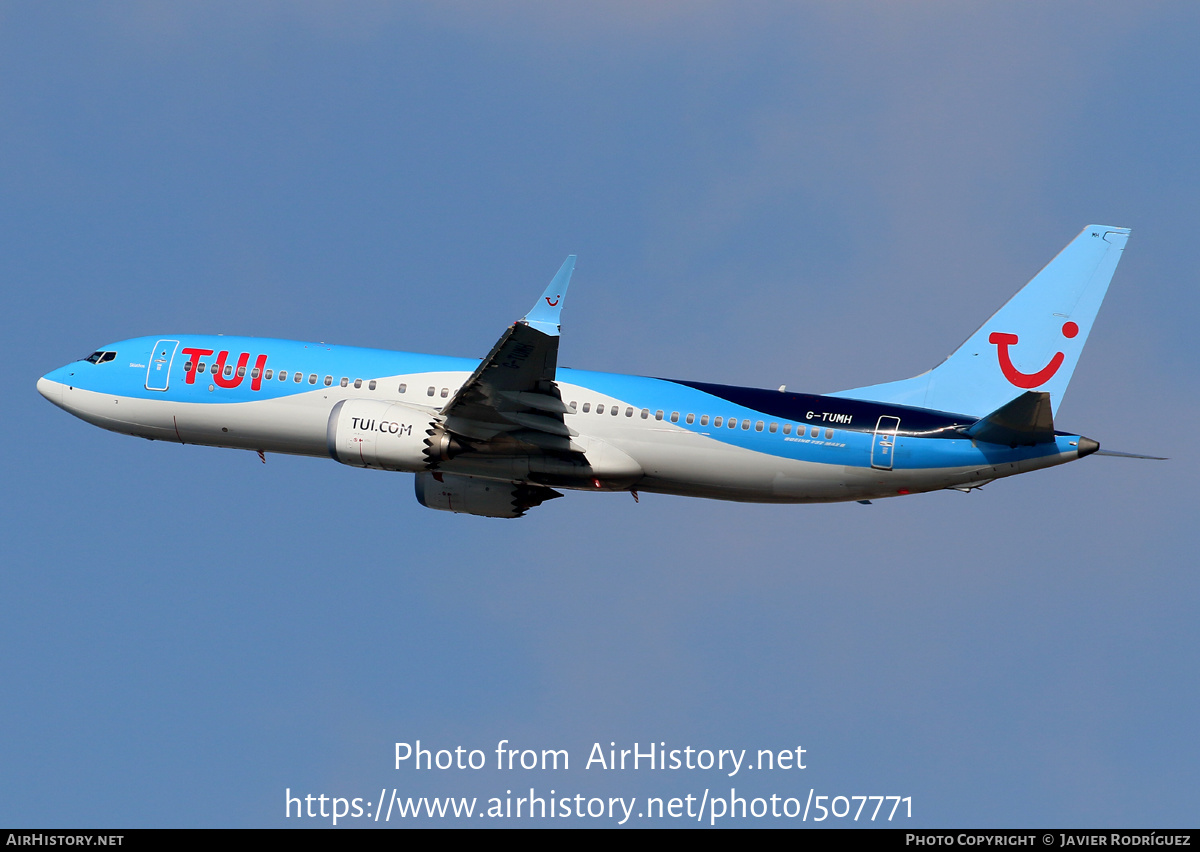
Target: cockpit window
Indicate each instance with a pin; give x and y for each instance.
(101, 357)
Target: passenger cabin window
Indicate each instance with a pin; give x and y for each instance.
(574, 406)
(241, 372)
(658, 415)
(674, 416)
(704, 420)
(312, 378)
(645, 413)
(774, 427)
(299, 377)
(228, 370)
(432, 390)
(403, 388)
(269, 374)
(371, 386)
(718, 422)
(787, 428)
(254, 373)
(346, 382)
(758, 427)
(587, 407)
(828, 434)
(614, 410)
(600, 408)
(629, 411)
(745, 425)
(816, 432)
(328, 381)
(445, 392)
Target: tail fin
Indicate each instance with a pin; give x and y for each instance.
(1032, 343)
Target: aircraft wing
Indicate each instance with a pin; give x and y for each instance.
(511, 405)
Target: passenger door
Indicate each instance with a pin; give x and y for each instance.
(883, 445)
(158, 372)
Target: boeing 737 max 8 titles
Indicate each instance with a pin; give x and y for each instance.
(498, 436)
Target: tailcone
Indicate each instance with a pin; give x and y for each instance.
(1087, 446)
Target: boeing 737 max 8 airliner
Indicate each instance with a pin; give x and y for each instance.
(496, 437)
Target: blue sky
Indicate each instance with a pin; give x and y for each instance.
(822, 195)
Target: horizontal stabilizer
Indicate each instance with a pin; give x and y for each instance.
(1023, 422)
(1129, 455)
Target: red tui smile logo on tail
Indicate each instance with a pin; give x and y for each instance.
(1028, 380)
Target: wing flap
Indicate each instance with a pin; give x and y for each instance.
(540, 401)
(540, 423)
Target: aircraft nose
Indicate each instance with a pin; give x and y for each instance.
(50, 389)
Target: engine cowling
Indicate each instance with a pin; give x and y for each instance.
(472, 495)
(384, 435)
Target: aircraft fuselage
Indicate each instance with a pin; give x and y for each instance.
(648, 434)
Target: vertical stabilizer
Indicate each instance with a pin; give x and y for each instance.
(1030, 344)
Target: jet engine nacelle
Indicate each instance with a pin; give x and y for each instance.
(385, 435)
(472, 495)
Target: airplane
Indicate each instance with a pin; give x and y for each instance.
(496, 437)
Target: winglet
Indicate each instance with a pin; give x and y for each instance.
(544, 315)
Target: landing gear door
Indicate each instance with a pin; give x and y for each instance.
(158, 372)
(883, 445)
